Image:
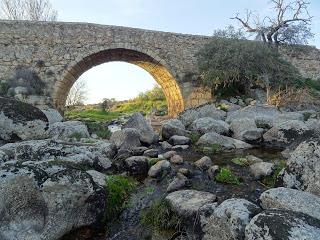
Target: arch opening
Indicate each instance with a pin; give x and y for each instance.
(160, 73)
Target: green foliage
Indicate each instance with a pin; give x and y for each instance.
(212, 149)
(225, 175)
(4, 87)
(241, 161)
(76, 135)
(119, 189)
(91, 115)
(194, 137)
(153, 161)
(241, 63)
(159, 216)
(270, 181)
(99, 128)
(223, 107)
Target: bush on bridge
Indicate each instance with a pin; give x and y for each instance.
(239, 64)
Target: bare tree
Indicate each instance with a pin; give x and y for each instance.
(34, 10)
(291, 23)
(78, 93)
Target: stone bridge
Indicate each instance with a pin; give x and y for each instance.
(57, 53)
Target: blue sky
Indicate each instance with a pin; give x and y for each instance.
(122, 80)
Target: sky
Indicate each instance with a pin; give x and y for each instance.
(123, 80)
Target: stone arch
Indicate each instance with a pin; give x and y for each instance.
(152, 65)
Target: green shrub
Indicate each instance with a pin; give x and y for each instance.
(270, 181)
(241, 161)
(119, 189)
(194, 137)
(159, 216)
(212, 149)
(225, 175)
(237, 64)
(76, 135)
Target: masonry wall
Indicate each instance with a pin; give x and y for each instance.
(51, 50)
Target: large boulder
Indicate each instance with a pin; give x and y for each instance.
(52, 115)
(95, 155)
(179, 140)
(287, 134)
(137, 165)
(127, 138)
(245, 129)
(263, 115)
(303, 168)
(280, 224)
(226, 143)
(21, 121)
(147, 134)
(291, 199)
(229, 220)
(314, 125)
(47, 203)
(186, 203)
(190, 115)
(69, 129)
(173, 127)
(208, 124)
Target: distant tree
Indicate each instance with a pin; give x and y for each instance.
(107, 104)
(290, 24)
(34, 10)
(230, 32)
(78, 93)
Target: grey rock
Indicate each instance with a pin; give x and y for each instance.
(313, 125)
(98, 177)
(157, 169)
(127, 138)
(212, 171)
(226, 143)
(21, 121)
(169, 154)
(253, 159)
(288, 133)
(245, 129)
(52, 115)
(173, 127)
(147, 134)
(262, 114)
(179, 147)
(137, 165)
(138, 151)
(207, 124)
(176, 159)
(229, 220)
(186, 203)
(165, 145)
(203, 163)
(291, 199)
(286, 116)
(190, 115)
(280, 224)
(38, 204)
(303, 168)
(69, 129)
(179, 140)
(153, 153)
(180, 181)
(261, 169)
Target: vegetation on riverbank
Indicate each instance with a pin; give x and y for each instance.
(146, 103)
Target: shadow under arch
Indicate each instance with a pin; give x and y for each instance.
(159, 72)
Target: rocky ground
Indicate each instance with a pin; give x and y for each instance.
(229, 170)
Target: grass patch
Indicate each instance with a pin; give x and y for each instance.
(240, 161)
(153, 161)
(194, 137)
(91, 115)
(225, 175)
(99, 128)
(159, 216)
(270, 181)
(76, 135)
(119, 189)
(212, 149)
